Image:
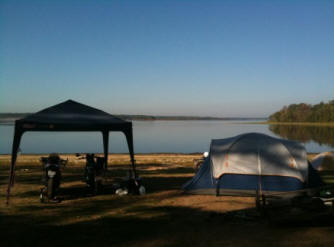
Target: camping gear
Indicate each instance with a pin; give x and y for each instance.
(253, 163)
(121, 191)
(323, 161)
(130, 184)
(133, 184)
(308, 205)
(52, 166)
(94, 172)
(199, 162)
(71, 116)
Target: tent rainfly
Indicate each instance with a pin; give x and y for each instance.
(253, 162)
(70, 116)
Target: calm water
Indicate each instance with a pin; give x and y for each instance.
(163, 137)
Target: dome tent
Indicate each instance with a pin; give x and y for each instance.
(253, 162)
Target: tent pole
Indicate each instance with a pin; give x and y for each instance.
(16, 143)
(129, 139)
(218, 186)
(259, 167)
(105, 135)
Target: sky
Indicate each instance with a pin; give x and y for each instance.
(205, 58)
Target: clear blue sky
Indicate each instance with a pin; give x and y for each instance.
(219, 58)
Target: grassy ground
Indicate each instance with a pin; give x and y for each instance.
(162, 217)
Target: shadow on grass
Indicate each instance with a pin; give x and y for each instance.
(120, 170)
(140, 224)
(152, 185)
(34, 174)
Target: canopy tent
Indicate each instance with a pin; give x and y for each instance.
(253, 162)
(71, 116)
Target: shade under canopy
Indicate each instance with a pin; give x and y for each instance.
(71, 116)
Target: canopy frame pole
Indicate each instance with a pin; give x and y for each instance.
(16, 144)
(129, 139)
(105, 135)
(259, 167)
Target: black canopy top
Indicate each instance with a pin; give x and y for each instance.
(68, 114)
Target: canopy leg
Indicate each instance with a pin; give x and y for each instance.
(105, 148)
(16, 143)
(129, 139)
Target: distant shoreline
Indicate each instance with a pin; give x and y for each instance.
(9, 118)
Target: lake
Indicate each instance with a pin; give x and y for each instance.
(163, 137)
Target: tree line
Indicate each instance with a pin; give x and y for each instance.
(322, 112)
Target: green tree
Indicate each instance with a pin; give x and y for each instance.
(322, 112)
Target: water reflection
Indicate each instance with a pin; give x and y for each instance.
(320, 135)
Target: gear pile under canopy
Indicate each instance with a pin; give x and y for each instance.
(71, 116)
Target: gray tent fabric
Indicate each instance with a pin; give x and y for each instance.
(71, 116)
(252, 162)
(259, 154)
